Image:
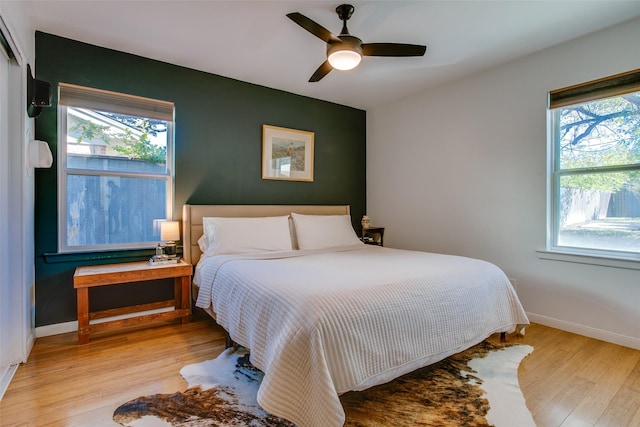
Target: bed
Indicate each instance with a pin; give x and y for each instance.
(323, 314)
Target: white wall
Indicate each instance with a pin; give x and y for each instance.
(461, 169)
(17, 278)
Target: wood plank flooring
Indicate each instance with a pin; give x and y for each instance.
(568, 381)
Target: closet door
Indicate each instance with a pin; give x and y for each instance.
(16, 334)
(5, 274)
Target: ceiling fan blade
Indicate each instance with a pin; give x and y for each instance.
(322, 71)
(392, 49)
(313, 27)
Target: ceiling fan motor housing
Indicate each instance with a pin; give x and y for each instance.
(346, 43)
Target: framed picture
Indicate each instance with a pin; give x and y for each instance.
(287, 154)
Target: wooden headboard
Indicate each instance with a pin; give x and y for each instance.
(192, 219)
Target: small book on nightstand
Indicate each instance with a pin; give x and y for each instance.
(163, 259)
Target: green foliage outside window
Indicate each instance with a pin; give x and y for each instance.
(141, 148)
(126, 143)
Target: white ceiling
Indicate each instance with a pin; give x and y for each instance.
(254, 41)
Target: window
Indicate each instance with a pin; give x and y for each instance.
(595, 168)
(115, 169)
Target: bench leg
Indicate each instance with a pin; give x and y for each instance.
(83, 315)
(181, 294)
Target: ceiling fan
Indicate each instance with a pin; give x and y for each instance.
(345, 51)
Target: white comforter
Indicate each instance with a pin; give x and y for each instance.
(321, 323)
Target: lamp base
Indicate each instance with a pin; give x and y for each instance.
(170, 248)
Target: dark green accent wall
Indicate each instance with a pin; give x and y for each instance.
(218, 146)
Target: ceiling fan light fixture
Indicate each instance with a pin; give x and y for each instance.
(345, 55)
(344, 59)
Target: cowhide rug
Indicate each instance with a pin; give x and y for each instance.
(478, 387)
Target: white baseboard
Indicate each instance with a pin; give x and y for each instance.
(7, 373)
(5, 379)
(587, 331)
(63, 328)
(56, 328)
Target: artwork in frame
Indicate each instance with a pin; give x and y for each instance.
(287, 154)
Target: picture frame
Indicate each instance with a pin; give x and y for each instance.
(287, 154)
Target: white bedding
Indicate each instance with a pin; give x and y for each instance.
(321, 323)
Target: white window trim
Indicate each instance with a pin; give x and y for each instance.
(123, 104)
(584, 258)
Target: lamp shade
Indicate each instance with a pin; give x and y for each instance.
(170, 230)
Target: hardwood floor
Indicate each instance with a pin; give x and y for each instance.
(573, 381)
(568, 380)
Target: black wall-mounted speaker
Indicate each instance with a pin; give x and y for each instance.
(38, 94)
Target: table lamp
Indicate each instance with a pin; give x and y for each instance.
(169, 233)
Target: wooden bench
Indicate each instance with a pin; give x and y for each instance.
(86, 277)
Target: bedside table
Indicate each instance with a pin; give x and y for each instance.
(114, 274)
(375, 235)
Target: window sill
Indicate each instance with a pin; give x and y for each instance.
(115, 255)
(627, 263)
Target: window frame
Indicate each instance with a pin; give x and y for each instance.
(595, 90)
(101, 100)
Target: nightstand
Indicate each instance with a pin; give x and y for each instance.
(373, 236)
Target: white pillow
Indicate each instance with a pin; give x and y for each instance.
(203, 243)
(227, 236)
(324, 231)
